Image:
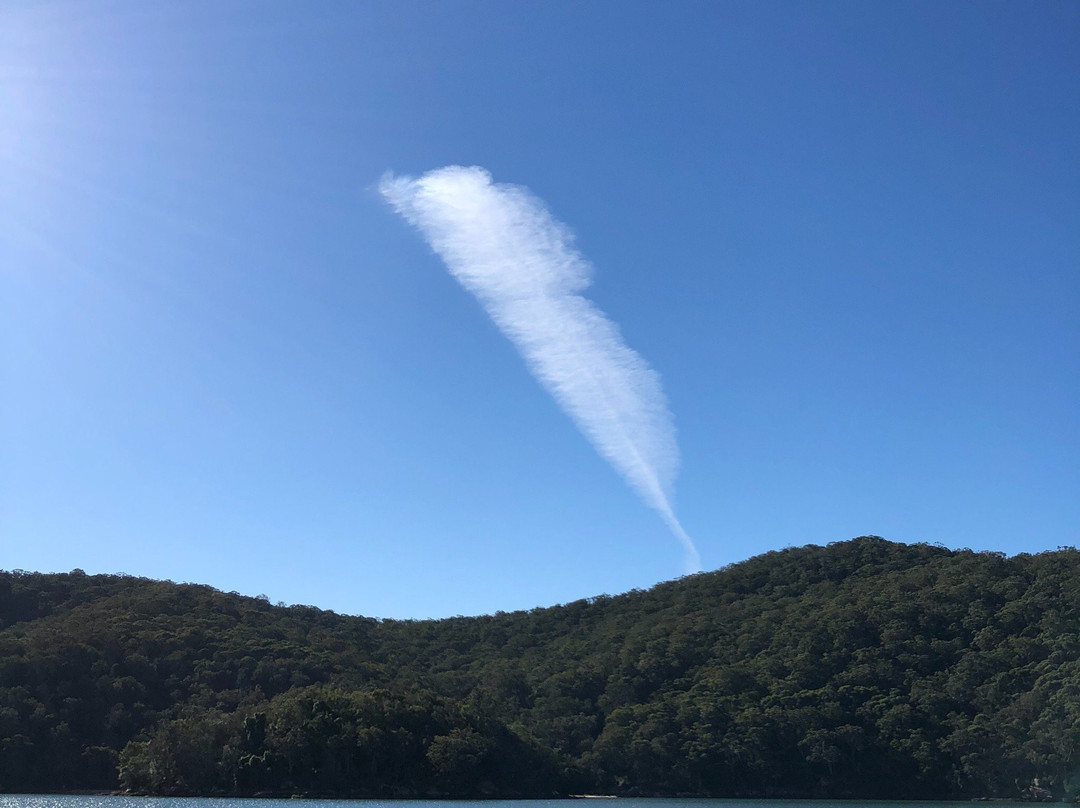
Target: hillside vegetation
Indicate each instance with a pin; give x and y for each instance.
(861, 669)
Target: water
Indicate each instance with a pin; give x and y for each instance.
(74, 801)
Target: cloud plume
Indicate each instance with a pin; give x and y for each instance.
(502, 245)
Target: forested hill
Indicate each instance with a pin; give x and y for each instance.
(861, 669)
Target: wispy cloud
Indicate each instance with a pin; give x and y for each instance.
(500, 243)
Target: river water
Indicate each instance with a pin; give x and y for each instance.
(70, 801)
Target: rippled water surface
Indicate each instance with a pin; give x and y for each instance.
(71, 801)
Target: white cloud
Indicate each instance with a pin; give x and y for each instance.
(500, 243)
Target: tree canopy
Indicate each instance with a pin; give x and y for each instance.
(861, 669)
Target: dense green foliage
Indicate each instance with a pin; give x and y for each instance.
(864, 668)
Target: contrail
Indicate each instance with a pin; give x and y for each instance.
(501, 244)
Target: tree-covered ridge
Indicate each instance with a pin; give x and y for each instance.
(864, 668)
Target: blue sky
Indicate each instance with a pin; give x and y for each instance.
(845, 234)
